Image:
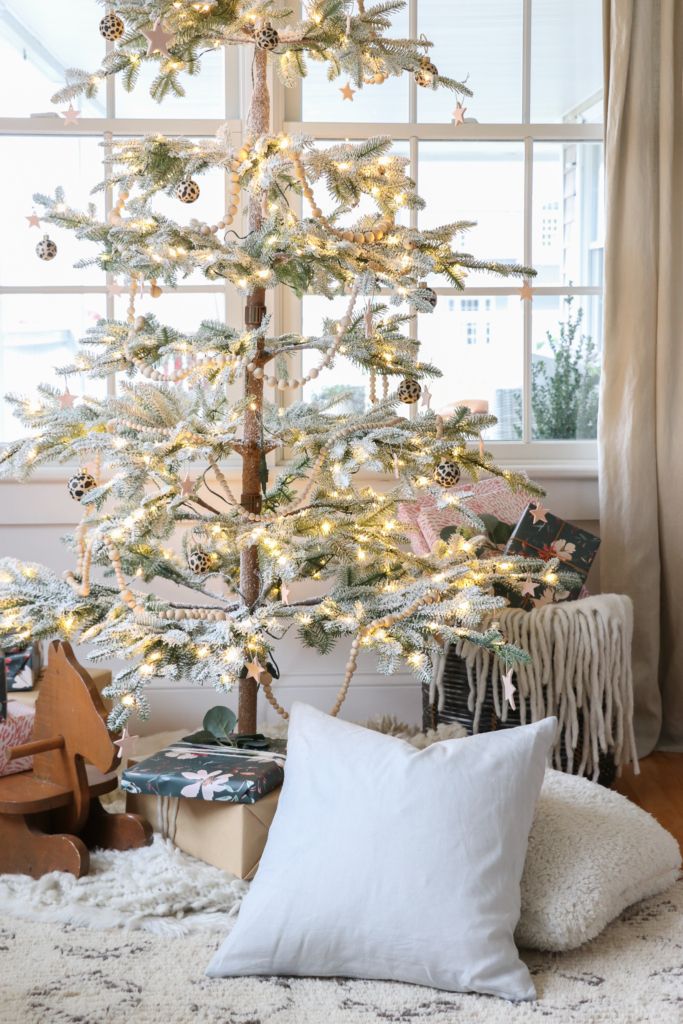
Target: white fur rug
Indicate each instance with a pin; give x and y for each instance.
(60, 974)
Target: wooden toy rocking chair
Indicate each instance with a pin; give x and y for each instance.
(49, 816)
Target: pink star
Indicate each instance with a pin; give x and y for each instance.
(509, 689)
(529, 587)
(33, 220)
(187, 486)
(547, 597)
(426, 397)
(126, 744)
(67, 400)
(158, 38)
(71, 116)
(525, 292)
(459, 113)
(539, 513)
(255, 670)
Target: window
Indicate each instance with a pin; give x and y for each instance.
(527, 167)
(45, 308)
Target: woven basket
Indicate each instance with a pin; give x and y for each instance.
(456, 694)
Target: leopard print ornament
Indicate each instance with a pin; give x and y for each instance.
(266, 38)
(426, 73)
(80, 484)
(46, 248)
(112, 27)
(409, 391)
(447, 473)
(198, 561)
(187, 191)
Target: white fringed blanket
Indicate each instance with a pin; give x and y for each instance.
(580, 663)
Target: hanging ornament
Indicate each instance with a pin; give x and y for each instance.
(80, 483)
(159, 39)
(459, 113)
(409, 390)
(33, 220)
(187, 191)
(66, 401)
(70, 116)
(430, 296)
(198, 561)
(46, 248)
(266, 37)
(154, 289)
(112, 27)
(347, 92)
(426, 73)
(447, 473)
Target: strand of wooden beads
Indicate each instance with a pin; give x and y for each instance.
(220, 476)
(374, 234)
(282, 384)
(385, 386)
(202, 361)
(234, 187)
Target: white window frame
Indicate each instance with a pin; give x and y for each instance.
(553, 458)
(550, 458)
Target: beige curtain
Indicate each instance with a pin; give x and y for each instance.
(641, 419)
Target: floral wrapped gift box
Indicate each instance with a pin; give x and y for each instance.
(540, 534)
(206, 773)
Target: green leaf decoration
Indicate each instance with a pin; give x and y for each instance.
(220, 722)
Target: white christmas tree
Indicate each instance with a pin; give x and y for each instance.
(159, 447)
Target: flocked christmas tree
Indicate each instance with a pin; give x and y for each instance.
(156, 452)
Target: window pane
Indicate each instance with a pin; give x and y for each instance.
(37, 334)
(566, 61)
(204, 92)
(366, 204)
(39, 164)
(477, 40)
(183, 311)
(344, 377)
(568, 213)
(565, 372)
(476, 181)
(38, 42)
(321, 100)
(476, 341)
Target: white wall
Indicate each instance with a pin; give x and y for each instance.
(35, 515)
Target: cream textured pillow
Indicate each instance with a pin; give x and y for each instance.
(388, 862)
(591, 854)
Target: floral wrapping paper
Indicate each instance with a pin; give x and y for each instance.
(201, 772)
(16, 728)
(425, 520)
(555, 538)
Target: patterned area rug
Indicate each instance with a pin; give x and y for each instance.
(55, 973)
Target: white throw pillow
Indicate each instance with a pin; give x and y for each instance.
(591, 854)
(388, 862)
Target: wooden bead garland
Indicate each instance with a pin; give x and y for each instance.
(374, 234)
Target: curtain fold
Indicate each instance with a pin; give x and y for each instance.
(641, 411)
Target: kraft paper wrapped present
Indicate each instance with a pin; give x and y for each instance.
(14, 730)
(540, 534)
(229, 836)
(213, 802)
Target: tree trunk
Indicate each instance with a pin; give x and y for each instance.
(258, 123)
